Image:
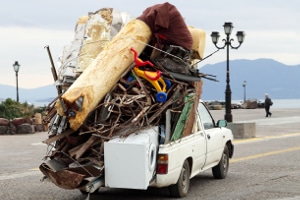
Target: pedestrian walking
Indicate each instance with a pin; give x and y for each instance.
(268, 104)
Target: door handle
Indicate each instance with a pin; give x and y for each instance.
(208, 136)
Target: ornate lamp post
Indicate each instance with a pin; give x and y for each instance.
(16, 68)
(227, 42)
(244, 85)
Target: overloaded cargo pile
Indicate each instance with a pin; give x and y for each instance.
(109, 86)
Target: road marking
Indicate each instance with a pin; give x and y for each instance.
(36, 171)
(265, 154)
(240, 141)
(38, 144)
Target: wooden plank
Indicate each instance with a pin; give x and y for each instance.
(183, 119)
(191, 118)
(58, 137)
(85, 146)
(73, 151)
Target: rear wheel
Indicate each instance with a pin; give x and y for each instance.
(220, 171)
(181, 188)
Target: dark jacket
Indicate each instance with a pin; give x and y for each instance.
(268, 102)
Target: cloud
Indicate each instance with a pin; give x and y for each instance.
(277, 45)
(26, 45)
(272, 30)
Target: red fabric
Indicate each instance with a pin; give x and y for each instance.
(164, 19)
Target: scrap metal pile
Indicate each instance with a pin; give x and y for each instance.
(140, 98)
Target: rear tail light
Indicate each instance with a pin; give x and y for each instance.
(162, 164)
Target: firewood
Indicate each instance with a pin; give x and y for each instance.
(58, 137)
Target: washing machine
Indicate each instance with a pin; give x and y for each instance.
(130, 162)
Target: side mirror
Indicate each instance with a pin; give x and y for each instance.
(222, 123)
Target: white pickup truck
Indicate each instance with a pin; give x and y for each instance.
(150, 159)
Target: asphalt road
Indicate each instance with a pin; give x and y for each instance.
(264, 167)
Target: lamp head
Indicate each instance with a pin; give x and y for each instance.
(240, 36)
(16, 66)
(215, 37)
(228, 28)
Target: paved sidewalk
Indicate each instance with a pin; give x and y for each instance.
(283, 120)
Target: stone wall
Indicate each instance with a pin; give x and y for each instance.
(25, 125)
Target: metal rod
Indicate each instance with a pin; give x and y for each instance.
(228, 115)
(17, 87)
(53, 70)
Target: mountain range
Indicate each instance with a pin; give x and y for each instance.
(38, 96)
(262, 76)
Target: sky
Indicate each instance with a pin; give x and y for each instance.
(272, 31)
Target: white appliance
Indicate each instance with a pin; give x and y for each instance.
(130, 162)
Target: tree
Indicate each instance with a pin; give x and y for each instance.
(11, 109)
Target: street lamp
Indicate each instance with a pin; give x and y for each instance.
(244, 85)
(227, 42)
(16, 68)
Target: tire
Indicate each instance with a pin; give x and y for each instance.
(220, 170)
(83, 191)
(86, 193)
(181, 188)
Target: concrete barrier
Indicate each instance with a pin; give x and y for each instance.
(242, 130)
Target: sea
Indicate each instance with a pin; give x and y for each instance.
(282, 103)
(277, 103)
(286, 103)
